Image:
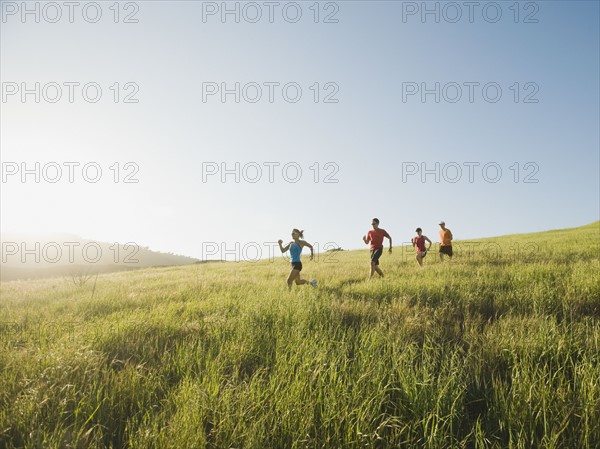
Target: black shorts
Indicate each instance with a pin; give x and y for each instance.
(297, 266)
(375, 255)
(446, 250)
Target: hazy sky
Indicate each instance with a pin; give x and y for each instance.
(368, 94)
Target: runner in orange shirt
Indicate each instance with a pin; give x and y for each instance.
(445, 241)
(375, 237)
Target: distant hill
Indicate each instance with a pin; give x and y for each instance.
(27, 257)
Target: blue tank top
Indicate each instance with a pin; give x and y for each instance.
(295, 250)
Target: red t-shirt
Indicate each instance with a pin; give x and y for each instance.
(420, 242)
(375, 236)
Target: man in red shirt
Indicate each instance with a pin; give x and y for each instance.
(375, 237)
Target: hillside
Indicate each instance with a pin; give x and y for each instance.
(26, 257)
(498, 348)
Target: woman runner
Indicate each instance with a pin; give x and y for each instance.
(419, 243)
(295, 248)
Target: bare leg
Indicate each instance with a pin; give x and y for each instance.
(419, 258)
(294, 275)
(375, 269)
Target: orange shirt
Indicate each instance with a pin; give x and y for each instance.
(445, 237)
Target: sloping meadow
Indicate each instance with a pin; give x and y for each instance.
(498, 348)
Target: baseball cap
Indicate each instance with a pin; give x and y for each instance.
(442, 222)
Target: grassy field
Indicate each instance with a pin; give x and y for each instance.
(499, 348)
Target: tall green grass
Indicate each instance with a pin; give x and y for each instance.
(494, 349)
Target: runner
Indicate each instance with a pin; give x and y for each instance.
(375, 237)
(295, 248)
(445, 241)
(419, 243)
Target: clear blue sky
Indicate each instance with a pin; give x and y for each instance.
(370, 136)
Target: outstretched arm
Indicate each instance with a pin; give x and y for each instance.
(283, 250)
(427, 240)
(304, 243)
